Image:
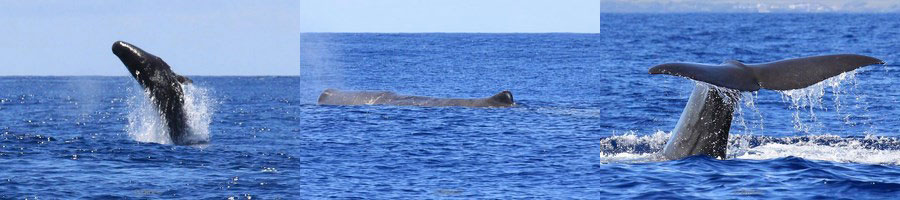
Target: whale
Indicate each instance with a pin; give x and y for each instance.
(163, 87)
(705, 121)
(337, 97)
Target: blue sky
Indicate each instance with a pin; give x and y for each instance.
(220, 37)
(451, 16)
(195, 37)
(243, 37)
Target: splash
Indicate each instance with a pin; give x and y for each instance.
(199, 107)
(634, 148)
(747, 114)
(145, 124)
(808, 100)
(745, 101)
(805, 102)
(869, 150)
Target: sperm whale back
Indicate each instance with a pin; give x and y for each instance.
(337, 97)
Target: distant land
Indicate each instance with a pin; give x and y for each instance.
(759, 6)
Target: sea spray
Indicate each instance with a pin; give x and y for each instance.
(199, 108)
(86, 96)
(748, 123)
(318, 65)
(146, 124)
(633, 147)
(808, 100)
(867, 150)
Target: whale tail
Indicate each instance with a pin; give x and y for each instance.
(706, 120)
(504, 97)
(779, 75)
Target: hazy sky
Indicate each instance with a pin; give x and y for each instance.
(194, 37)
(219, 37)
(214, 37)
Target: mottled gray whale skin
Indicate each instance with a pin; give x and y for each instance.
(163, 86)
(337, 97)
(706, 120)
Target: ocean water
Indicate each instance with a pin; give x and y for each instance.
(589, 121)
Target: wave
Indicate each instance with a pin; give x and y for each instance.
(869, 149)
(805, 103)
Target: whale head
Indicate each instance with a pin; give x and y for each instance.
(140, 64)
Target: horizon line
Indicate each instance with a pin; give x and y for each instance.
(116, 76)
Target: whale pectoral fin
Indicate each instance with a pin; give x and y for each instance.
(183, 80)
(503, 97)
(802, 72)
(727, 75)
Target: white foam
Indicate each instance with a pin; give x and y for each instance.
(831, 148)
(627, 157)
(632, 147)
(630, 139)
(844, 151)
(146, 124)
(625, 147)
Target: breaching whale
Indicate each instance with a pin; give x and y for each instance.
(337, 97)
(163, 86)
(706, 120)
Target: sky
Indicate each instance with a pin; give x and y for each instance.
(223, 37)
(205, 37)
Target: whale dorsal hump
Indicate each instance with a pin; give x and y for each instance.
(505, 97)
(779, 75)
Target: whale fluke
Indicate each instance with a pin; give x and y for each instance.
(779, 75)
(706, 120)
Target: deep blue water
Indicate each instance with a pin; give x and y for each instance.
(589, 121)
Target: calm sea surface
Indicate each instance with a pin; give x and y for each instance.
(589, 122)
